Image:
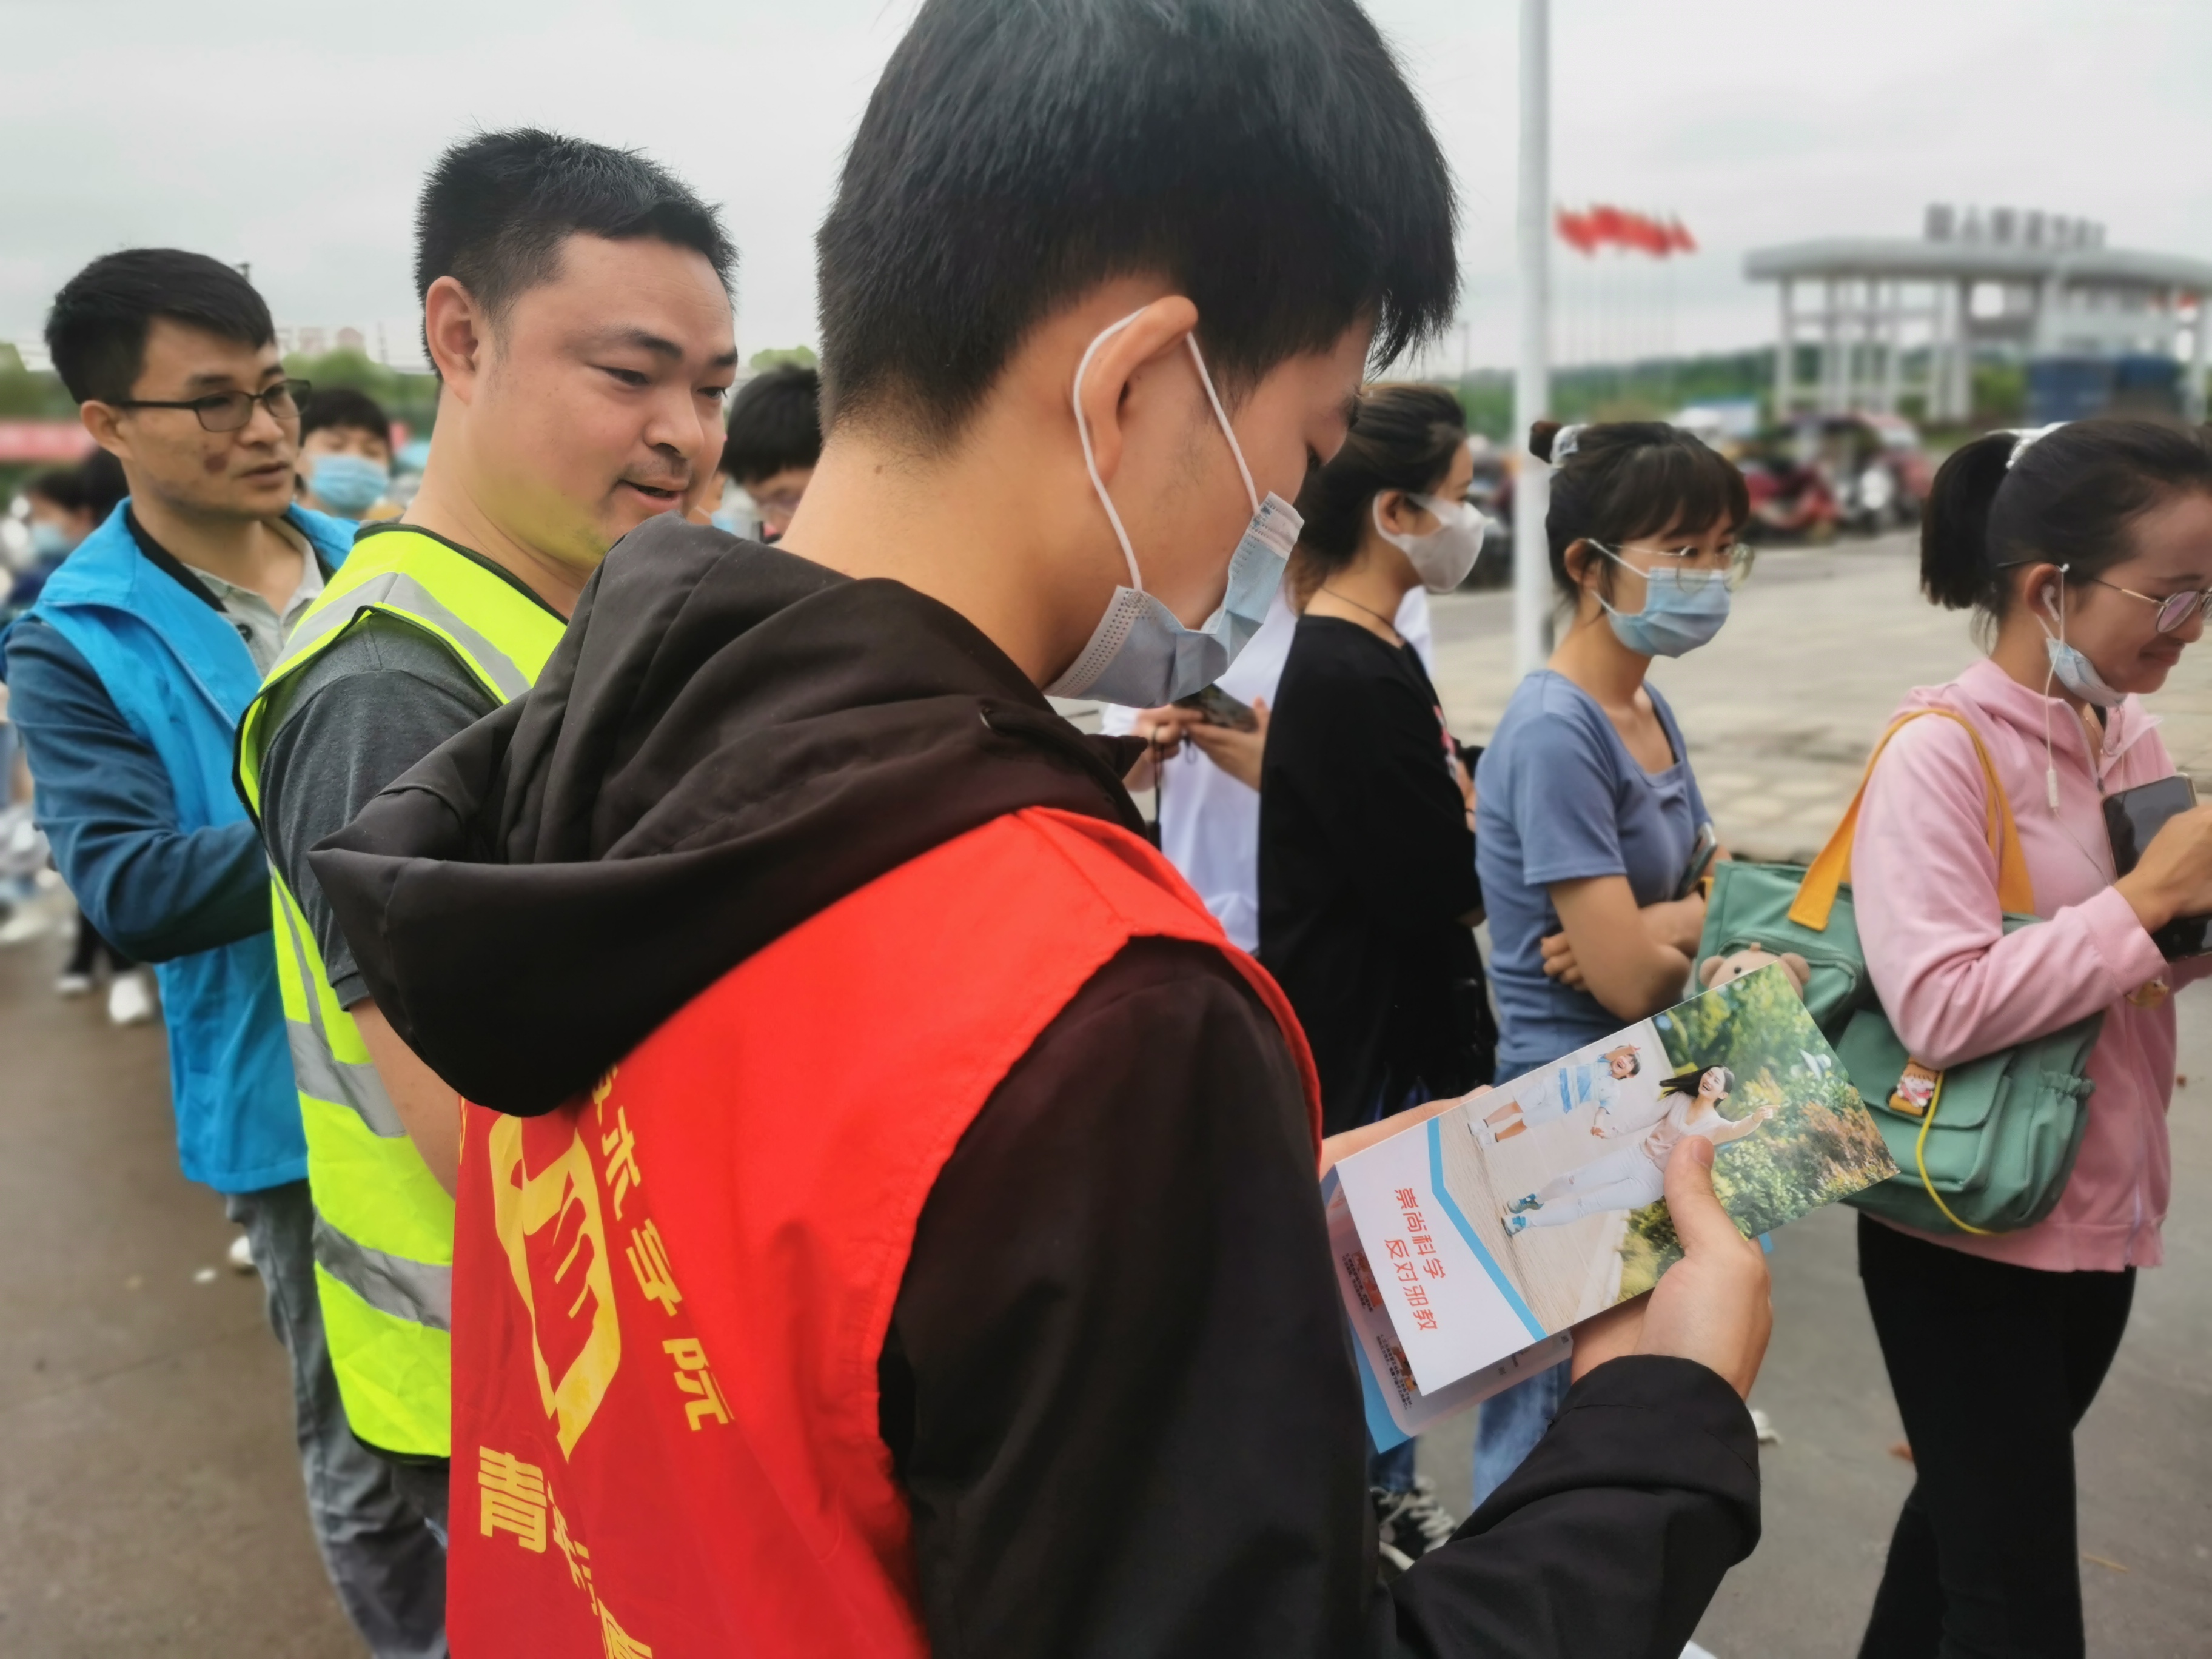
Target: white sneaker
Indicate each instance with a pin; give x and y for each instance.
(241, 1255)
(130, 1000)
(73, 985)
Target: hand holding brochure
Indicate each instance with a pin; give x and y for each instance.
(1488, 1230)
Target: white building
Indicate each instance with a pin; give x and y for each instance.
(1893, 316)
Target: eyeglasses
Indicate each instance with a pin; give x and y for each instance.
(2174, 611)
(1734, 573)
(230, 411)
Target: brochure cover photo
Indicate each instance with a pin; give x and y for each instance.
(1522, 1210)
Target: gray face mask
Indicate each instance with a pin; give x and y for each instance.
(1140, 654)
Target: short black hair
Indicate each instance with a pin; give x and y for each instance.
(96, 331)
(1626, 479)
(1264, 156)
(496, 208)
(776, 422)
(344, 407)
(2070, 498)
(64, 486)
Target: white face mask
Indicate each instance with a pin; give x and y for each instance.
(1140, 654)
(1444, 557)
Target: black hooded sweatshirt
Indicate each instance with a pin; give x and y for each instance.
(1117, 1387)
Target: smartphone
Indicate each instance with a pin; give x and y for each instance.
(1701, 860)
(1217, 707)
(2131, 818)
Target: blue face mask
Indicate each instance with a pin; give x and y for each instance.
(2068, 665)
(1140, 654)
(348, 484)
(1682, 609)
(50, 541)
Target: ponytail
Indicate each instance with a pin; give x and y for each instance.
(2069, 498)
(1403, 437)
(1956, 571)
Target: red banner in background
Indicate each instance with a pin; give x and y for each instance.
(42, 441)
(1604, 226)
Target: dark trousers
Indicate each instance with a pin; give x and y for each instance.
(380, 1524)
(91, 949)
(1992, 1366)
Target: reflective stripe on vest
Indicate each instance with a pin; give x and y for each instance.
(383, 1233)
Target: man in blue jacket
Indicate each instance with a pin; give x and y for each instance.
(127, 680)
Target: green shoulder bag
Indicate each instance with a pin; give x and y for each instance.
(1990, 1149)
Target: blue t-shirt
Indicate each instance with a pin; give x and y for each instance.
(1560, 798)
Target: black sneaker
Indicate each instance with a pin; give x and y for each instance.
(1412, 1523)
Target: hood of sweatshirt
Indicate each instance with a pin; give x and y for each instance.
(728, 740)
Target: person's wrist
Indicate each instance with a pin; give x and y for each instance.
(2153, 905)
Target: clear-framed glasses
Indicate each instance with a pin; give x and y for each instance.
(1692, 566)
(2174, 611)
(229, 412)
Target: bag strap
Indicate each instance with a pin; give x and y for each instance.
(1816, 894)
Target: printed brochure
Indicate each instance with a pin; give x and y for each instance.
(1468, 1245)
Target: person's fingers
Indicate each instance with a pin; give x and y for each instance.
(1699, 1221)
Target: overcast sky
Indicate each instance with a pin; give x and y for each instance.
(293, 135)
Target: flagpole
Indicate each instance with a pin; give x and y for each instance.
(1532, 489)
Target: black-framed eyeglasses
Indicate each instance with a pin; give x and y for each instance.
(2174, 611)
(228, 411)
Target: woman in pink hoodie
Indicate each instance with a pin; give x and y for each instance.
(2087, 550)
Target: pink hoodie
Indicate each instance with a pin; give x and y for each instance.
(1925, 886)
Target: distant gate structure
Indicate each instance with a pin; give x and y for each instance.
(1894, 318)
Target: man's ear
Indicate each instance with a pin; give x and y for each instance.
(458, 335)
(105, 422)
(1155, 331)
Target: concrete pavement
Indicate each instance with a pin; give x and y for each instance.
(149, 1491)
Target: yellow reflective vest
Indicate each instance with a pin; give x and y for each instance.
(384, 1228)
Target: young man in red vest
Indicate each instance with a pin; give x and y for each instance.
(889, 1222)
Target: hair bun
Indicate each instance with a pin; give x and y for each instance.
(1541, 436)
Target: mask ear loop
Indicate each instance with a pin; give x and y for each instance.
(1091, 461)
(1236, 449)
(2051, 673)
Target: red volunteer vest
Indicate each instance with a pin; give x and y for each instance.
(669, 1297)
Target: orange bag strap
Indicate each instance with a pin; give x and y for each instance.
(1816, 894)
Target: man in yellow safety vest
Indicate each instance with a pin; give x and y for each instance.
(576, 306)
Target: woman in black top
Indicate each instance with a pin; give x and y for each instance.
(1367, 884)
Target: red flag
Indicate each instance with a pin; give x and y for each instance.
(1646, 235)
(1609, 224)
(1679, 234)
(1577, 232)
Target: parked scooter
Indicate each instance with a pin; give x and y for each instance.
(1789, 501)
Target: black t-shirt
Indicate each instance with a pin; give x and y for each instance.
(1366, 865)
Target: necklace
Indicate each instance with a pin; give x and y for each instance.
(1346, 599)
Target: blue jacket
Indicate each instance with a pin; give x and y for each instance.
(127, 688)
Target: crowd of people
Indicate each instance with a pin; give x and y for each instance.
(754, 1144)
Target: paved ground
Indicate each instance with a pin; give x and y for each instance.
(150, 1499)
(149, 1493)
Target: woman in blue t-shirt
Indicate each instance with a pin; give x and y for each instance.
(1589, 821)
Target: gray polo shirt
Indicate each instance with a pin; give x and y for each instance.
(264, 628)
